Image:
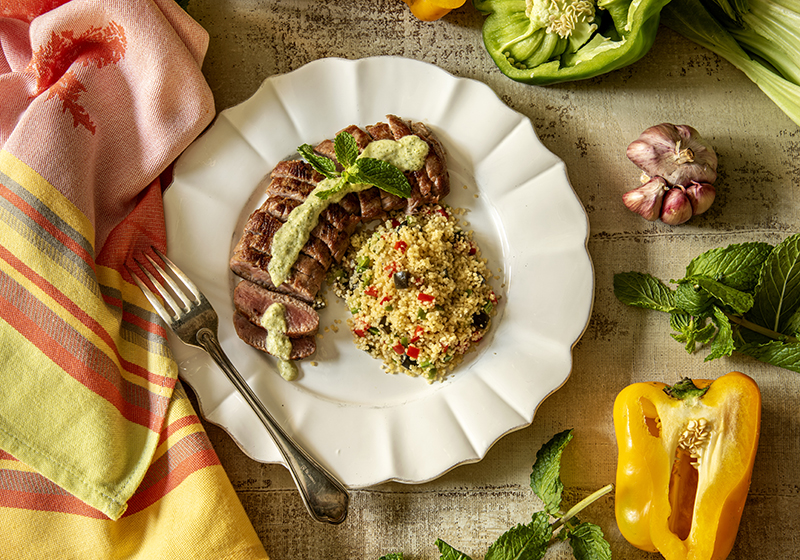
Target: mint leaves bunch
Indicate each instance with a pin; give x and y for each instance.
(530, 541)
(744, 298)
(356, 170)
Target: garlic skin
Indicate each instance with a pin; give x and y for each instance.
(647, 199)
(701, 195)
(675, 152)
(677, 208)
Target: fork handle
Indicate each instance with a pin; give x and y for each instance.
(325, 498)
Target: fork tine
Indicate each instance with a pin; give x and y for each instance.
(179, 273)
(177, 309)
(187, 303)
(151, 297)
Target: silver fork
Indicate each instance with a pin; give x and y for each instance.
(195, 322)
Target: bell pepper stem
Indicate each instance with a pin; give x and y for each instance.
(580, 506)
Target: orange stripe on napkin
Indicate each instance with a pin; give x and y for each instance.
(80, 248)
(15, 493)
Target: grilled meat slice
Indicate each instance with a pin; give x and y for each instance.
(289, 188)
(297, 169)
(351, 204)
(431, 183)
(338, 217)
(371, 207)
(256, 337)
(380, 131)
(337, 240)
(304, 281)
(280, 207)
(327, 240)
(435, 163)
(391, 202)
(252, 301)
(326, 147)
(398, 126)
(263, 223)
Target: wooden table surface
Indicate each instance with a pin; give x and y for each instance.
(588, 124)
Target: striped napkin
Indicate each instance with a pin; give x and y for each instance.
(101, 453)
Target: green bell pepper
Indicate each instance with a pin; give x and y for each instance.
(549, 41)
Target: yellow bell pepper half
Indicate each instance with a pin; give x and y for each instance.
(430, 10)
(686, 455)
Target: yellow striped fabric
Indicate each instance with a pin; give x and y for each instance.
(87, 373)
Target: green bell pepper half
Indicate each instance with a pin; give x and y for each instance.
(549, 41)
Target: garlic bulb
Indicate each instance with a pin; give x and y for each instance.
(676, 208)
(646, 200)
(675, 152)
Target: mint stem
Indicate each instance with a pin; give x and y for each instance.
(759, 329)
(577, 508)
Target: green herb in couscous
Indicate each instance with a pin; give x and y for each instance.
(418, 292)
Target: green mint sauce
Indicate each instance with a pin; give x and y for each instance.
(407, 154)
(278, 344)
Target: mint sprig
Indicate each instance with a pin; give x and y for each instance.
(355, 170)
(530, 541)
(742, 298)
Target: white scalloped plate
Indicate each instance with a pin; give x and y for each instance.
(365, 425)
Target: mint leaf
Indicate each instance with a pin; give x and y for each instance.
(523, 542)
(739, 301)
(346, 149)
(450, 553)
(392, 556)
(692, 299)
(545, 476)
(588, 543)
(736, 266)
(780, 354)
(643, 290)
(690, 330)
(383, 175)
(322, 164)
(777, 295)
(723, 344)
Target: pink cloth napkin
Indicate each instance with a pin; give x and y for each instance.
(99, 97)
